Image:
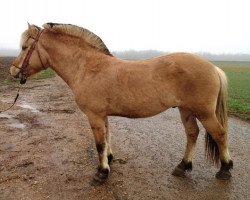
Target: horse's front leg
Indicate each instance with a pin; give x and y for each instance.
(108, 138)
(99, 129)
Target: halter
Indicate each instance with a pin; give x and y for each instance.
(24, 67)
(25, 63)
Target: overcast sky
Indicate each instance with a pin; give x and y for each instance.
(216, 26)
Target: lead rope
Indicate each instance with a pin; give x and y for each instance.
(17, 95)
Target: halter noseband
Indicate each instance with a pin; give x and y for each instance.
(25, 63)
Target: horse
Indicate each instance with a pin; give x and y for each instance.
(104, 85)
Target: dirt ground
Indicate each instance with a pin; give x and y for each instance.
(47, 151)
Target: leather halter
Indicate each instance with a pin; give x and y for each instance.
(25, 63)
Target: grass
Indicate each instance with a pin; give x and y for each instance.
(238, 74)
(48, 73)
(5, 77)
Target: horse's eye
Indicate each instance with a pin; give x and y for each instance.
(23, 47)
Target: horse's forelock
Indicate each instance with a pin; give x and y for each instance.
(24, 37)
(26, 34)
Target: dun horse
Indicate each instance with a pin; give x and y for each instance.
(104, 85)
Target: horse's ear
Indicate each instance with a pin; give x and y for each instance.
(33, 30)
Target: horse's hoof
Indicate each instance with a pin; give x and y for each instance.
(223, 175)
(110, 158)
(181, 169)
(101, 176)
(179, 172)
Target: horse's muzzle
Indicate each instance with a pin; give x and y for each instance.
(21, 77)
(23, 80)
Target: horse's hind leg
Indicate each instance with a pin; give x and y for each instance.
(108, 138)
(192, 131)
(99, 129)
(218, 140)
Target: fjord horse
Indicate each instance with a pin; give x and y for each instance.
(104, 85)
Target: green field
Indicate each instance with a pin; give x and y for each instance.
(238, 74)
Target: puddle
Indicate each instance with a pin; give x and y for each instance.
(17, 125)
(4, 115)
(14, 122)
(25, 106)
(8, 146)
(28, 106)
(5, 101)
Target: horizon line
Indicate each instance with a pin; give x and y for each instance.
(14, 50)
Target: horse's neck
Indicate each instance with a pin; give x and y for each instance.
(70, 63)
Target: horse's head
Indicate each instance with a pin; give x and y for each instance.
(30, 59)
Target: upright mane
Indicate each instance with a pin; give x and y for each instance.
(79, 32)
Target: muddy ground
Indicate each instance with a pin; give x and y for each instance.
(47, 151)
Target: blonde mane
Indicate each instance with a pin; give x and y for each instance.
(79, 32)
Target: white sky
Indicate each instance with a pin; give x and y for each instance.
(216, 26)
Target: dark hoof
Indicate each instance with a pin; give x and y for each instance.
(110, 158)
(101, 176)
(181, 169)
(223, 175)
(179, 172)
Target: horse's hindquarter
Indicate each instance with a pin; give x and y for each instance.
(197, 81)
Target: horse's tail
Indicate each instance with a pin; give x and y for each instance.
(212, 150)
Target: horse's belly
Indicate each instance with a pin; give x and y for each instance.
(140, 111)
